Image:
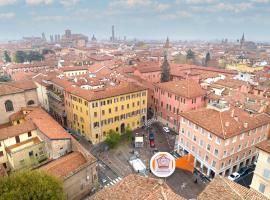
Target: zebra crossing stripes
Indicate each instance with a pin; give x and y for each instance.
(149, 122)
(113, 182)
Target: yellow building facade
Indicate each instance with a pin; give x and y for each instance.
(243, 68)
(261, 177)
(96, 113)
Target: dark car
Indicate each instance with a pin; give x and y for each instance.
(243, 171)
(151, 136)
(175, 154)
(152, 144)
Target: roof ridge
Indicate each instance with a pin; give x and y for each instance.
(222, 127)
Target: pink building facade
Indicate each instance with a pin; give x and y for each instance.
(225, 152)
(172, 98)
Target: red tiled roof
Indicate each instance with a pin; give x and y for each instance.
(106, 92)
(46, 124)
(12, 131)
(73, 68)
(184, 88)
(135, 187)
(65, 165)
(223, 124)
(223, 189)
(264, 146)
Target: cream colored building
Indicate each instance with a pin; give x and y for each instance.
(261, 177)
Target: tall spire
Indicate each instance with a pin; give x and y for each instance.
(242, 41)
(167, 44)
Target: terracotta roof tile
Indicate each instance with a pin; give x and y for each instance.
(12, 131)
(135, 187)
(223, 124)
(264, 146)
(92, 95)
(223, 189)
(184, 88)
(46, 124)
(65, 165)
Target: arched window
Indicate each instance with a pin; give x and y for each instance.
(31, 102)
(9, 106)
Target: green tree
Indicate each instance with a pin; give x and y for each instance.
(31, 185)
(20, 57)
(47, 51)
(112, 139)
(34, 56)
(190, 55)
(207, 58)
(7, 58)
(165, 74)
(127, 135)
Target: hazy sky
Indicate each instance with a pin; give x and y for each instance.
(144, 19)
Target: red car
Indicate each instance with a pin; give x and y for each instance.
(152, 144)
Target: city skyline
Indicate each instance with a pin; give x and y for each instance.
(141, 19)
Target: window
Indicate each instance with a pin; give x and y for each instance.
(183, 132)
(96, 124)
(96, 136)
(194, 138)
(122, 107)
(95, 114)
(201, 143)
(210, 137)
(266, 173)
(268, 159)
(208, 147)
(262, 188)
(206, 158)
(29, 134)
(110, 110)
(17, 138)
(103, 112)
(216, 152)
(214, 163)
(31, 102)
(218, 140)
(116, 109)
(30, 153)
(1, 153)
(9, 106)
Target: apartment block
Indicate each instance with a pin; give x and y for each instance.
(222, 141)
(261, 177)
(93, 113)
(172, 98)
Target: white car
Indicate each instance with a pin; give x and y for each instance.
(166, 129)
(234, 176)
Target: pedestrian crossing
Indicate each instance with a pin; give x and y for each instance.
(113, 182)
(149, 122)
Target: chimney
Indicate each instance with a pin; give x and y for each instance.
(245, 124)
(232, 113)
(227, 124)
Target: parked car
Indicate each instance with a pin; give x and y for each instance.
(175, 154)
(166, 129)
(152, 144)
(234, 176)
(243, 171)
(151, 136)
